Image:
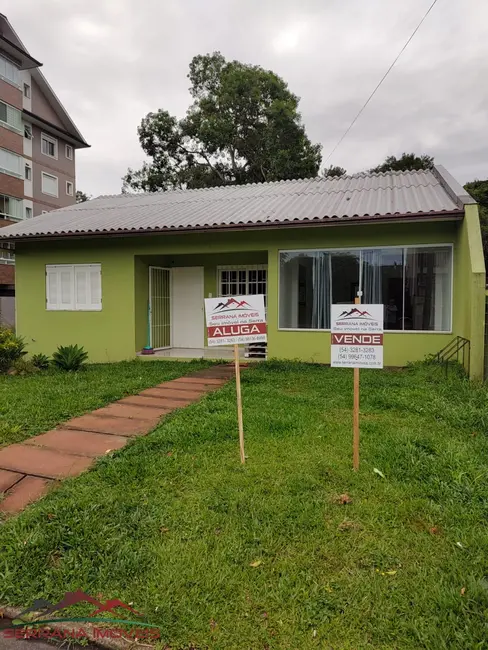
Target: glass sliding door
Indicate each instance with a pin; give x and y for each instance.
(382, 280)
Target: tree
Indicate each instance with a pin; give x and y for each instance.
(334, 172)
(479, 192)
(242, 127)
(81, 197)
(406, 162)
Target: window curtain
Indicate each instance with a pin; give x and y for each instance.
(321, 293)
(371, 277)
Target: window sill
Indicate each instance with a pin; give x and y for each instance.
(9, 127)
(49, 156)
(55, 196)
(69, 309)
(11, 173)
(303, 329)
(9, 81)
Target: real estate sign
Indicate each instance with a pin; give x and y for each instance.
(235, 320)
(356, 336)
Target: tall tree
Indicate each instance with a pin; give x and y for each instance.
(406, 162)
(479, 192)
(81, 197)
(334, 171)
(242, 127)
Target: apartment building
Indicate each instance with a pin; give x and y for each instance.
(38, 144)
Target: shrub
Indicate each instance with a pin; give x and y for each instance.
(23, 367)
(70, 357)
(12, 348)
(40, 361)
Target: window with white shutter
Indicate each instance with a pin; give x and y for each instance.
(73, 287)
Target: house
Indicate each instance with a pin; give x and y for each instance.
(38, 141)
(121, 272)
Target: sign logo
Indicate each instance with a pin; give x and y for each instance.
(40, 619)
(355, 314)
(240, 305)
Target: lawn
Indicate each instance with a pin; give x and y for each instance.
(34, 403)
(267, 556)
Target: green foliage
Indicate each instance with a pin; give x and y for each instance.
(269, 555)
(334, 172)
(40, 361)
(81, 197)
(12, 347)
(406, 162)
(479, 191)
(38, 402)
(70, 357)
(242, 127)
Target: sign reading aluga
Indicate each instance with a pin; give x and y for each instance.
(356, 336)
(231, 321)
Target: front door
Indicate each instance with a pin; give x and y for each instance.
(187, 307)
(159, 307)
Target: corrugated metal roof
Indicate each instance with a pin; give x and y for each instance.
(358, 196)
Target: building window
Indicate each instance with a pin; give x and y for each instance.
(49, 184)
(9, 71)
(10, 208)
(27, 91)
(69, 188)
(49, 146)
(413, 284)
(28, 213)
(242, 280)
(10, 116)
(28, 173)
(7, 255)
(74, 287)
(69, 151)
(10, 163)
(28, 131)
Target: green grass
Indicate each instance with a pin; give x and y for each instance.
(173, 522)
(34, 403)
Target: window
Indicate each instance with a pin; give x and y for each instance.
(9, 71)
(28, 173)
(413, 284)
(27, 91)
(242, 280)
(69, 188)
(10, 116)
(7, 255)
(28, 131)
(68, 150)
(74, 287)
(49, 184)
(49, 146)
(10, 163)
(10, 208)
(28, 213)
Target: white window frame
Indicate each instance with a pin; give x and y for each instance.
(49, 138)
(10, 172)
(27, 176)
(17, 202)
(243, 267)
(53, 274)
(14, 79)
(28, 131)
(27, 91)
(68, 184)
(27, 209)
(68, 148)
(43, 175)
(15, 122)
(360, 248)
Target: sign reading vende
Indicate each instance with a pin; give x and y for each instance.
(240, 319)
(356, 336)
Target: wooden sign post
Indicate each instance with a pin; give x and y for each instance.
(239, 403)
(233, 321)
(356, 342)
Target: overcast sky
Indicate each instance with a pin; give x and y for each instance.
(112, 61)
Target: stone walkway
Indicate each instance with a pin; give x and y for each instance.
(30, 469)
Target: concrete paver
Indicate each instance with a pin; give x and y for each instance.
(28, 470)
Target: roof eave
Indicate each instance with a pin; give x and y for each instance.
(420, 217)
(40, 121)
(23, 58)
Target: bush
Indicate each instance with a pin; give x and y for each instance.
(70, 357)
(12, 348)
(40, 361)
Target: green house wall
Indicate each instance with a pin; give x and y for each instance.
(119, 330)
